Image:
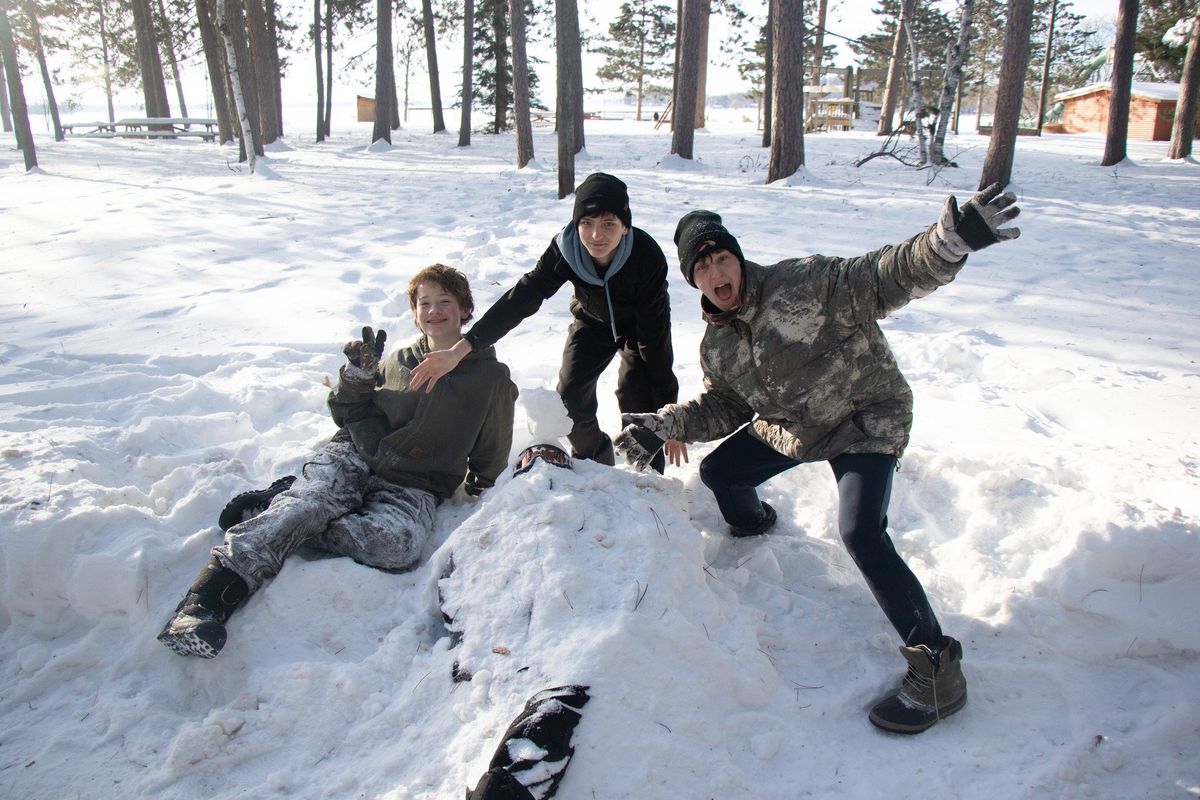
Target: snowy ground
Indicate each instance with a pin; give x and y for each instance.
(166, 322)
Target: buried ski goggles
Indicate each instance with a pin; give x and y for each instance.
(546, 452)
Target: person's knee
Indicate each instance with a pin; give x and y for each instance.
(711, 474)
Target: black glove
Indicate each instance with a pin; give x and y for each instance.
(638, 444)
(364, 356)
(977, 225)
(547, 721)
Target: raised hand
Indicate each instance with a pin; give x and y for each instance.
(977, 225)
(364, 355)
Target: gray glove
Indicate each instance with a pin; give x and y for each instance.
(364, 356)
(644, 435)
(977, 225)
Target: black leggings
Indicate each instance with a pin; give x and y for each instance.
(864, 482)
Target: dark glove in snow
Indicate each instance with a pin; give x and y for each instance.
(638, 444)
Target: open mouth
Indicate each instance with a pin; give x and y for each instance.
(724, 292)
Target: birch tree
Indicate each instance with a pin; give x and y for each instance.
(1184, 127)
(955, 55)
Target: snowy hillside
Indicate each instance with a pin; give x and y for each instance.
(166, 322)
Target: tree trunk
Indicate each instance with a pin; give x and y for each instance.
(1184, 128)
(435, 87)
(569, 100)
(819, 55)
(516, 11)
(328, 67)
(683, 138)
(316, 37)
(246, 80)
(1122, 84)
(154, 88)
(702, 63)
(276, 72)
(955, 55)
(891, 92)
(216, 76)
(1044, 91)
(16, 93)
(500, 59)
(997, 164)
(787, 137)
(5, 113)
(40, 50)
(168, 42)
(768, 74)
(919, 110)
(464, 125)
(385, 92)
(260, 60)
(675, 74)
(232, 57)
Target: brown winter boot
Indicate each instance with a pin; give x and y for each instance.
(933, 688)
(198, 626)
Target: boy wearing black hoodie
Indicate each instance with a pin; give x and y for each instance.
(620, 308)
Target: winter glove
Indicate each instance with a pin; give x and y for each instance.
(536, 748)
(643, 437)
(977, 225)
(364, 357)
(474, 485)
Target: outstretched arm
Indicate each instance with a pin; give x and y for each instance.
(436, 364)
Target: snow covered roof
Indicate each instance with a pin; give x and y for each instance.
(1153, 91)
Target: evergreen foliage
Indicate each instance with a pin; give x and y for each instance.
(641, 50)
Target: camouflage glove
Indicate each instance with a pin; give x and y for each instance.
(364, 357)
(643, 437)
(977, 225)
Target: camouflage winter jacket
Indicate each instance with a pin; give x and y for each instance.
(804, 358)
(431, 441)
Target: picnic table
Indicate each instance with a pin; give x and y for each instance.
(148, 128)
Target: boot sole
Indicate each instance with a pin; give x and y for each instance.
(892, 726)
(189, 643)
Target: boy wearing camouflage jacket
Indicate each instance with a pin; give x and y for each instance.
(797, 369)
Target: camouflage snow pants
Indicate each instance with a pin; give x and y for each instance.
(336, 505)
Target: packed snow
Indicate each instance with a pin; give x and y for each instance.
(166, 324)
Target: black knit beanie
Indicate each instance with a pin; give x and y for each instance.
(601, 192)
(700, 233)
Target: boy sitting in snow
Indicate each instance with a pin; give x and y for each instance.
(370, 493)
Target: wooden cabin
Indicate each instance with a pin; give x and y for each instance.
(1151, 110)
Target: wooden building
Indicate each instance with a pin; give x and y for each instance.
(1151, 110)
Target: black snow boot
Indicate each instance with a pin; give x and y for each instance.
(248, 505)
(536, 748)
(934, 687)
(768, 522)
(198, 627)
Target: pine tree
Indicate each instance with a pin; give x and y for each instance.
(643, 41)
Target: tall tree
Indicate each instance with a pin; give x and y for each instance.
(167, 44)
(385, 87)
(5, 112)
(569, 95)
(686, 87)
(214, 61)
(704, 15)
(468, 93)
(316, 37)
(16, 93)
(516, 11)
(891, 92)
(261, 45)
(274, 64)
(997, 164)
(39, 49)
(1122, 84)
(154, 87)
(951, 83)
(819, 48)
(234, 54)
(769, 75)
(498, 17)
(1044, 91)
(642, 37)
(1184, 127)
(435, 87)
(787, 135)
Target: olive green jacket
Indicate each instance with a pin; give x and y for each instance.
(461, 430)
